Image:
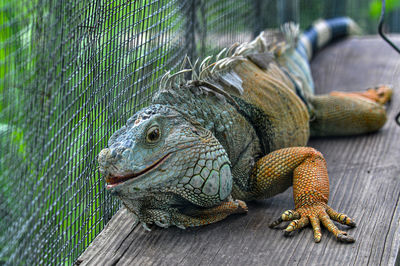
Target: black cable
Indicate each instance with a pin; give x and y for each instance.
(397, 119)
(380, 31)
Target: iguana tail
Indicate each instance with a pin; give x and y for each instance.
(322, 32)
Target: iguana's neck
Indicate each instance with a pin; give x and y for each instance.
(215, 114)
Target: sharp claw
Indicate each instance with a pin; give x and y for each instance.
(275, 223)
(242, 207)
(160, 224)
(146, 227)
(181, 226)
(287, 233)
(345, 238)
(352, 224)
(317, 237)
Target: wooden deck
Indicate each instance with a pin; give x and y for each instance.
(364, 183)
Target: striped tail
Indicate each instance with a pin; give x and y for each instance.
(322, 32)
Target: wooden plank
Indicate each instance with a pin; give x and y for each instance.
(365, 183)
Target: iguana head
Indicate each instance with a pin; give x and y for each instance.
(161, 150)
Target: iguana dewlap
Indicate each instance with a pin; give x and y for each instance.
(236, 132)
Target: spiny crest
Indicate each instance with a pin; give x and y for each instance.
(272, 41)
(199, 72)
(207, 76)
(269, 41)
(291, 31)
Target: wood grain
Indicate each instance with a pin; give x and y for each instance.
(364, 182)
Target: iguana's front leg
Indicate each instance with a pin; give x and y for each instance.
(305, 168)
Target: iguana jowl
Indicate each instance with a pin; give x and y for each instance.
(236, 132)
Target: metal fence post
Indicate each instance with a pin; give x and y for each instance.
(190, 36)
(258, 23)
(202, 27)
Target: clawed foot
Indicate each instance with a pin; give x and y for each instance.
(379, 94)
(316, 214)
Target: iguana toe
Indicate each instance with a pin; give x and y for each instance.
(242, 207)
(288, 215)
(315, 215)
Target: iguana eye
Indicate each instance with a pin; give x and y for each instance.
(153, 134)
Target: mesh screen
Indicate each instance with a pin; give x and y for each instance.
(72, 72)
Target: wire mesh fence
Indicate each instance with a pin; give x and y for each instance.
(72, 72)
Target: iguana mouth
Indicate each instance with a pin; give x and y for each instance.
(117, 180)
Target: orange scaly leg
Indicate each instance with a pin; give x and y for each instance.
(305, 168)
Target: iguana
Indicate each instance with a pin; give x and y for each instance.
(236, 131)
